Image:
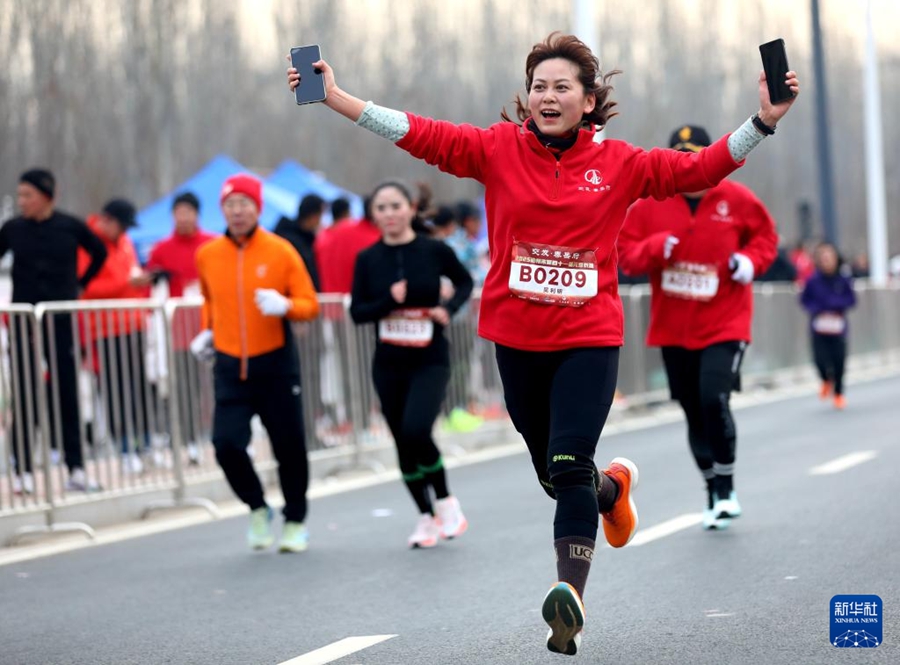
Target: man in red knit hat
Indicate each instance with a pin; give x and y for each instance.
(254, 285)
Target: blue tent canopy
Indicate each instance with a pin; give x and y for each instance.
(296, 178)
(155, 221)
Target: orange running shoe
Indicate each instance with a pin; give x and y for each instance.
(825, 390)
(621, 523)
(840, 402)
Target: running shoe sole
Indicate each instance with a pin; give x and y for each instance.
(564, 613)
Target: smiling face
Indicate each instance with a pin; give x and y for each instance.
(392, 212)
(557, 99)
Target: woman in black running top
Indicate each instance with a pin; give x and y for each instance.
(396, 284)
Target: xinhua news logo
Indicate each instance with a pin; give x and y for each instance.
(857, 622)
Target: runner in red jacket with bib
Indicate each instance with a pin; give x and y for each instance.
(555, 201)
(701, 251)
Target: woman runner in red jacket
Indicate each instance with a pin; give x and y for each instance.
(555, 202)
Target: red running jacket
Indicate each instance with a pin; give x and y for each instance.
(553, 224)
(694, 301)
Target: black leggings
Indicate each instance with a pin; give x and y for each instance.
(411, 397)
(701, 381)
(559, 402)
(276, 399)
(830, 354)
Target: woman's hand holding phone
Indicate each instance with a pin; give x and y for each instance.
(771, 113)
(335, 98)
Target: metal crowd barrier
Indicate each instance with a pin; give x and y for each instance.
(112, 386)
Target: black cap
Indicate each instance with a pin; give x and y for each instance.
(42, 180)
(311, 204)
(445, 216)
(466, 210)
(122, 211)
(188, 198)
(689, 138)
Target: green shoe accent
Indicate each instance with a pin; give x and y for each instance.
(294, 537)
(462, 421)
(259, 536)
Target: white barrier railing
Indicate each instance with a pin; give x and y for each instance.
(102, 399)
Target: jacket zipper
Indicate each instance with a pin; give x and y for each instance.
(242, 323)
(555, 194)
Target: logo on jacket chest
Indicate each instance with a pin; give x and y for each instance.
(595, 182)
(723, 212)
(261, 271)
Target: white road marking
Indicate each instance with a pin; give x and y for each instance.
(667, 528)
(333, 652)
(843, 463)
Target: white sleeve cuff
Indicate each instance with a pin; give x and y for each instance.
(743, 140)
(387, 123)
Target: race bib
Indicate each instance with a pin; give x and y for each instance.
(691, 281)
(407, 327)
(829, 323)
(553, 275)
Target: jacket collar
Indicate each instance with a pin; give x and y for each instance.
(250, 236)
(584, 139)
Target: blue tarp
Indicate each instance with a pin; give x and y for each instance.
(155, 221)
(296, 178)
(282, 192)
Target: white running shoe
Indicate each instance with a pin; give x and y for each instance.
(427, 533)
(710, 521)
(79, 482)
(23, 484)
(193, 451)
(727, 508)
(450, 515)
(132, 464)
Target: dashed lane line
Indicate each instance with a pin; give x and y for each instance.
(337, 650)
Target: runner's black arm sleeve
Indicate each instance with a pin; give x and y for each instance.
(462, 280)
(93, 246)
(366, 307)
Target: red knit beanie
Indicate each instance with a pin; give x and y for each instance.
(246, 184)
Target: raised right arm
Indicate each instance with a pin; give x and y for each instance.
(461, 150)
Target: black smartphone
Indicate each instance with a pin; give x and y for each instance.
(312, 83)
(775, 64)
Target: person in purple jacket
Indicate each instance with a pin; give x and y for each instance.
(827, 296)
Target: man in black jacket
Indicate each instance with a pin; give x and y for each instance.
(301, 232)
(44, 243)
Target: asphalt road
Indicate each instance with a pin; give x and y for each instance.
(756, 593)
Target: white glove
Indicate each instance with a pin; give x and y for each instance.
(271, 303)
(741, 268)
(202, 346)
(669, 246)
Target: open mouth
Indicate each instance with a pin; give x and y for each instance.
(546, 113)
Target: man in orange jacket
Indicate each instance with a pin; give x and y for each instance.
(255, 284)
